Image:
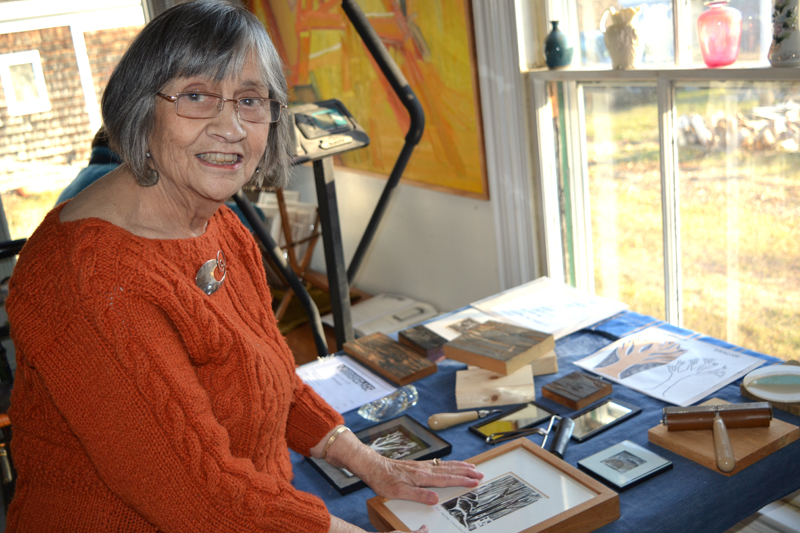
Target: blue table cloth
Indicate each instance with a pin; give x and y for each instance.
(688, 498)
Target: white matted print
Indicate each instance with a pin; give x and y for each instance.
(541, 491)
(625, 464)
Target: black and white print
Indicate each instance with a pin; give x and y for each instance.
(623, 462)
(396, 444)
(490, 502)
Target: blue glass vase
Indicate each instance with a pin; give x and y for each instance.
(557, 52)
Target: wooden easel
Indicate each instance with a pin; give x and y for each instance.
(300, 268)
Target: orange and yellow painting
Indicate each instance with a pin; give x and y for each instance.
(431, 42)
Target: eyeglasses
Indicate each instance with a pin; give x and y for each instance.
(207, 105)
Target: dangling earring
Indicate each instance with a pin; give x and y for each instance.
(152, 175)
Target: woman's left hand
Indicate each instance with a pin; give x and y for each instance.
(393, 478)
(406, 480)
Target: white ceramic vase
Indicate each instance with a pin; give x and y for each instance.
(785, 48)
(621, 37)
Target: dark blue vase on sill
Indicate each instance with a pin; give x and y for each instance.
(557, 52)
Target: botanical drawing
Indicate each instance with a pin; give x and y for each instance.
(490, 502)
(623, 461)
(688, 368)
(635, 356)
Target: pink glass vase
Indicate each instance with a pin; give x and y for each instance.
(719, 31)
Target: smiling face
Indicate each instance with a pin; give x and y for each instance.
(207, 160)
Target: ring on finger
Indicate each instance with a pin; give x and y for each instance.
(436, 461)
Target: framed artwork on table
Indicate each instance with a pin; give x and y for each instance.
(525, 490)
(399, 438)
(624, 465)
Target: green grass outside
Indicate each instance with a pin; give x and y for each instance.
(740, 226)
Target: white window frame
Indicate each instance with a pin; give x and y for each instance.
(542, 253)
(30, 106)
(666, 81)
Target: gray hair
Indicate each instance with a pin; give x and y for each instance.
(203, 38)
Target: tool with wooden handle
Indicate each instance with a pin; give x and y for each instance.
(719, 418)
(445, 420)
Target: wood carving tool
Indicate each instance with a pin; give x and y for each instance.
(445, 420)
(719, 418)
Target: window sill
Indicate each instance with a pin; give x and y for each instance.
(756, 72)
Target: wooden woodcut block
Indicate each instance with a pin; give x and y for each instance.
(749, 444)
(423, 341)
(499, 347)
(390, 359)
(546, 364)
(576, 390)
(478, 387)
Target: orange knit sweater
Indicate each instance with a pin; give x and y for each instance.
(142, 404)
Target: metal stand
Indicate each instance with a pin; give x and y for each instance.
(338, 285)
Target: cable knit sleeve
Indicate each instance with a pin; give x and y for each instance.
(184, 417)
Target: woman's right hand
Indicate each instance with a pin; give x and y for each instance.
(340, 526)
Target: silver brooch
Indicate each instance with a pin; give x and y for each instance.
(206, 278)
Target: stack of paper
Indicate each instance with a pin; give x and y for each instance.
(550, 307)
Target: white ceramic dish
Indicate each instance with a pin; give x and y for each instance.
(777, 383)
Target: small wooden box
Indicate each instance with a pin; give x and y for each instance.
(390, 359)
(576, 390)
(478, 387)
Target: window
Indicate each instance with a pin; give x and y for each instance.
(678, 186)
(23, 83)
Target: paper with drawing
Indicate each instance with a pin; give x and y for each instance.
(665, 365)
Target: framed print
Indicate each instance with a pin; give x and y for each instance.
(624, 465)
(601, 416)
(525, 490)
(399, 438)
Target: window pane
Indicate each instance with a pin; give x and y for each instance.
(740, 213)
(654, 24)
(624, 187)
(24, 81)
(756, 29)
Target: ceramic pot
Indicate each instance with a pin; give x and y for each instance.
(557, 51)
(785, 48)
(719, 31)
(621, 37)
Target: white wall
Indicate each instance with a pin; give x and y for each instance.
(433, 247)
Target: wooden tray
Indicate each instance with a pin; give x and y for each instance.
(749, 444)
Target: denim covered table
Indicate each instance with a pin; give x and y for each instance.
(688, 498)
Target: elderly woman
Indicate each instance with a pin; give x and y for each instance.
(153, 389)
